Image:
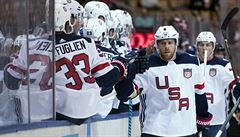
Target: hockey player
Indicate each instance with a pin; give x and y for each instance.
(7, 112)
(80, 71)
(219, 76)
(171, 90)
(77, 10)
(97, 30)
(124, 30)
(78, 67)
(15, 79)
(219, 51)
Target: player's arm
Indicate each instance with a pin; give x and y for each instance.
(15, 71)
(12, 76)
(126, 89)
(233, 86)
(109, 79)
(203, 116)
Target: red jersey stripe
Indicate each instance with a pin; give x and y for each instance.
(100, 67)
(199, 86)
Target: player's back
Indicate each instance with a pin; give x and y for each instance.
(77, 61)
(7, 114)
(39, 54)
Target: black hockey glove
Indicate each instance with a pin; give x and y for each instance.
(203, 125)
(131, 56)
(140, 65)
(236, 90)
(123, 62)
(124, 89)
(204, 130)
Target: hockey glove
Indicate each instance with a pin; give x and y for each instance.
(131, 56)
(140, 65)
(125, 90)
(236, 90)
(203, 124)
(123, 62)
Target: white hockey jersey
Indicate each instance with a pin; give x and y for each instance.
(77, 61)
(8, 108)
(218, 77)
(168, 96)
(40, 56)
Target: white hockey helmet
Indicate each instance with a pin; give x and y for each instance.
(125, 22)
(113, 26)
(7, 47)
(95, 29)
(64, 2)
(62, 16)
(96, 9)
(206, 36)
(166, 32)
(20, 40)
(48, 6)
(8, 42)
(76, 9)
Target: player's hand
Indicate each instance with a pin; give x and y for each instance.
(124, 89)
(131, 56)
(204, 130)
(150, 48)
(140, 65)
(123, 62)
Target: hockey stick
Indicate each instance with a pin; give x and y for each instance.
(130, 118)
(224, 33)
(224, 26)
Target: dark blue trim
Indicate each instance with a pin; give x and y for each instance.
(22, 127)
(51, 123)
(70, 37)
(181, 58)
(218, 61)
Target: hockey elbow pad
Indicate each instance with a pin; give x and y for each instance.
(121, 67)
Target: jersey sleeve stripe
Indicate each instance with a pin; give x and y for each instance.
(199, 86)
(230, 86)
(100, 67)
(16, 69)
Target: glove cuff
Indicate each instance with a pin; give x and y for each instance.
(204, 121)
(121, 68)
